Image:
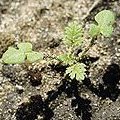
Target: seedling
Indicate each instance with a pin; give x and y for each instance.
(74, 38)
(105, 20)
(23, 53)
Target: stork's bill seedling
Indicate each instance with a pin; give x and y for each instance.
(73, 38)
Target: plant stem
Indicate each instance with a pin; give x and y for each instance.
(86, 50)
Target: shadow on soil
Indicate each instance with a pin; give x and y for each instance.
(36, 106)
(82, 106)
(29, 111)
(109, 88)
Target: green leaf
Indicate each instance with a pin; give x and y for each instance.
(105, 20)
(34, 56)
(107, 30)
(76, 71)
(94, 30)
(73, 35)
(13, 56)
(105, 17)
(66, 58)
(25, 47)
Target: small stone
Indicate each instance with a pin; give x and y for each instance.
(1, 88)
(118, 41)
(117, 54)
(19, 88)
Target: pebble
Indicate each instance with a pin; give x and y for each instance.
(1, 88)
(118, 54)
(19, 87)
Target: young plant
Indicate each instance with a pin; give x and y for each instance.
(105, 20)
(23, 53)
(74, 38)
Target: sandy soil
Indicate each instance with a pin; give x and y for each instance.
(39, 92)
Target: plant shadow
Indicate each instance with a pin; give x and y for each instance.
(70, 88)
(81, 106)
(35, 106)
(109, 88)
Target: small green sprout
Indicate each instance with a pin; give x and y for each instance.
(22, 54)
(105, 20)
(73, 39)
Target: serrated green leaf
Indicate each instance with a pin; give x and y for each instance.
(105, 17)
(72, 75)
(73, 34)
(34, 56)
(25, 47)
(66, 58)
(94, 30)
(76, 71)
(13, 56)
